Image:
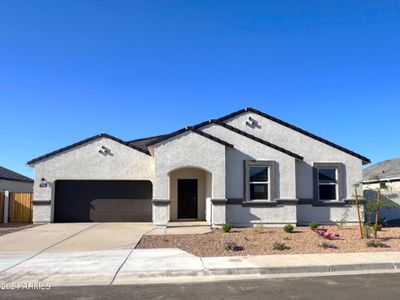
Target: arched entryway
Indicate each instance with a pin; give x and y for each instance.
(190, 194)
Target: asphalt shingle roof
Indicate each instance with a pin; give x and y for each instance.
(385, 169)
(11, 175)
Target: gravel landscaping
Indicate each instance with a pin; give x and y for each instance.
(9, 228)
(267, 240)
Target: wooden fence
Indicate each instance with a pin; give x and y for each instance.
(20, 209)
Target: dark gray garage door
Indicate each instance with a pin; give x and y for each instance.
(103, 201)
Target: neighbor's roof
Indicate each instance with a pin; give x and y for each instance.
(142, 144)
(383, 170)
(11, 175)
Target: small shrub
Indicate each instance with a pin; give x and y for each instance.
(226, 227)
(377, 228)
(376, 244)
(313, 225)
(368, 230)
(232, 246)
(288, 228)
(280, 246)
(326, 245)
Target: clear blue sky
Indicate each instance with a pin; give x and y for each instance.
(72, 69)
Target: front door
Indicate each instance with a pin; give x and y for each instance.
(187, 198)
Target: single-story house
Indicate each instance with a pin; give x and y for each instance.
(245, 168)
(14, 182)
(384, 175)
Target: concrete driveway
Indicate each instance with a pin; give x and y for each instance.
(60, 252)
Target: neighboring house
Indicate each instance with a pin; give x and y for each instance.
(245, 168)
(14, 182)
(384, 175)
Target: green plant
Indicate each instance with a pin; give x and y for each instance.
(327, 245)
(280, 246)
(377, 227)
(367, 230)
(376, 244)
(226, 227)
(288, 228)
(313, 224)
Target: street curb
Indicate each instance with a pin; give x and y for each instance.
(266, 270)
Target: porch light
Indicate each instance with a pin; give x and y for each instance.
(43, 183)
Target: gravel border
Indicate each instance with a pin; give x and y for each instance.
(260, 241)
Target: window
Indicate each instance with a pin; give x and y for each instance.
(382, 185)
(258, 182)
(327, 183)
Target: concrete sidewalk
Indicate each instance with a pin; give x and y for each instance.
(145, 265)
(174, 262)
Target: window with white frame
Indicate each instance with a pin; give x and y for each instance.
(259, 182)
(327, 183)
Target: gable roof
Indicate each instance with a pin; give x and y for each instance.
(254, 138)
(143, 143)
(85, 141)
(383, 170)
(7, 174)
(306, 133)
(189, 128)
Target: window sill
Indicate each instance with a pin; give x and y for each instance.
(259, 203)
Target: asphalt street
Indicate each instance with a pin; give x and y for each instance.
(366, 286)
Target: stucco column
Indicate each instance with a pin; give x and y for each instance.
(161, 212)
(218, 212)
(6, 206)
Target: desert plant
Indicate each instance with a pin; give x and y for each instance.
(326, 245)
(313, 224)
(232, 246)
(288, 228)
(226, 227)
(376, 244)
(367, 230)
(280, 246)
(376, 199)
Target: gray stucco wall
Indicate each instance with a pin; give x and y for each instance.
(16, 186)
(189, 150)
(247, 149)
(311, 149)
(85, 162)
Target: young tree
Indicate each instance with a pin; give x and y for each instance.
(375, 199)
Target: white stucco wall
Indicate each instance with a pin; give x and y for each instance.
(311, 149)
(247, 149)
(85, 162)
(327, 215)
(16, 186)
(189, 150)
(279, 215)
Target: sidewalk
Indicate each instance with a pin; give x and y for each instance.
(175, 262)
(145, 265)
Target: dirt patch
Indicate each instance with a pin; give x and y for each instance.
(9, 228)
(260, 241)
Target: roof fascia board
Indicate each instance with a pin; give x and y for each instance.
(83, 142)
